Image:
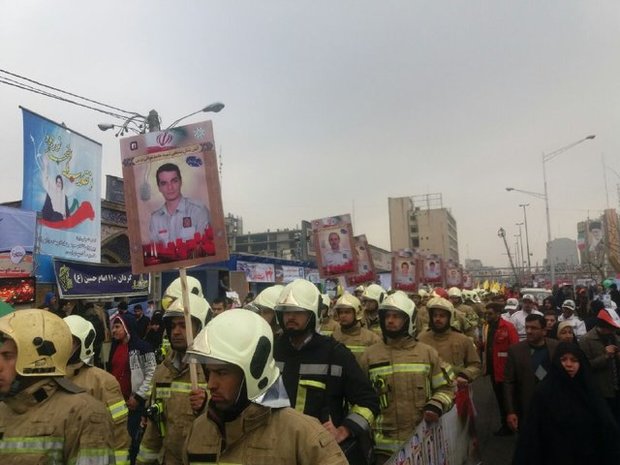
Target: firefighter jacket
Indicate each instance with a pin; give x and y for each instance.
(47, 423)
(328, 326)
(456, 349)
(172, 414)
(262, 436)
(473, 320)
(409, 379)
(323, 380)
(104, 387)
(423, 318)
(356, 338)
(505, 335)
(373, 325)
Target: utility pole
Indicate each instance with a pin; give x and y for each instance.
(527, 239)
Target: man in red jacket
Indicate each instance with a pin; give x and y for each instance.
(497, 335)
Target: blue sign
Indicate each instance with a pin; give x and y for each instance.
(80, 280)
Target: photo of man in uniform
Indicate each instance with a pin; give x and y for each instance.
(179, 217)
(334, 256)
(405, 276)
(432, 271)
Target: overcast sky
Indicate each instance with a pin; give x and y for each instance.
(334, 106)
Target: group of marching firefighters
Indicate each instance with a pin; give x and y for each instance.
(294, 377)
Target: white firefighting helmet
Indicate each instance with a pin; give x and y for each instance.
(455, 292)
(350, 301)
(326, 300)
(374, 292)
(84, 330)
(399, 301)
(422, 293)
(241, 338)
(300, 296)
(440, 304)
(175, 291)
(198, 309)
(267, 298)
(43, 340)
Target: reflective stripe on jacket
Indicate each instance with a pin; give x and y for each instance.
(171, 388)
(47, 424)
(104, 387)
(408, 377)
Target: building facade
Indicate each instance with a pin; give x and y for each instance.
(421, 222)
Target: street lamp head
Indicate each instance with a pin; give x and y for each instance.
(214, 107)
(105, 126)
(510, 189)
(591, 136)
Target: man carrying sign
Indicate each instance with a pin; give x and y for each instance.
(174, 404)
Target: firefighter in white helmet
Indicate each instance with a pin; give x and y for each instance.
(100, 384)
(351, 333)
(408, 376)
(328, 324)
(453, 347)
(321, 376)
(456, 297)
(44, 418)
(264, 305)
(372, 297)
(248, 419)
(173, 404)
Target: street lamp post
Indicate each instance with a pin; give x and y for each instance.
(522, 262)
(545, 158)
(527, 238)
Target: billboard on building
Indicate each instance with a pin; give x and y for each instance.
(334, 246)
(62, 182)
(173, 198)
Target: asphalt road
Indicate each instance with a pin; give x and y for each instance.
(493, 450)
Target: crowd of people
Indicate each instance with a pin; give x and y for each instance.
(296, 376)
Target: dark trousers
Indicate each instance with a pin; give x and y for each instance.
(135, 432)
(498, 389)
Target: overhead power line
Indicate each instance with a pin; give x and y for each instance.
(23, 85)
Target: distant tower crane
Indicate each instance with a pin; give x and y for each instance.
(502, 233)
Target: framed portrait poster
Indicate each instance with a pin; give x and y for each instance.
(404, 270)
(432, 270)
(365, 265)
(454, 274)
(173, 199)
(334, 246)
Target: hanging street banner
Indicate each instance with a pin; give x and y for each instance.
(257, 272)
(173, 199)
(62, 182)
(286, 273)
(17, 236)
(77, 280)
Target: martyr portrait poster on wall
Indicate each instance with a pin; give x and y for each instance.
(333, 242)
(173, 199)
